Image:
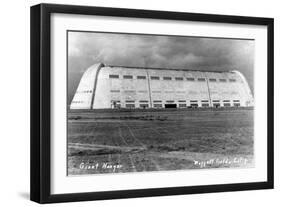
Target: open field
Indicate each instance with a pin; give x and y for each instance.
(154, 140)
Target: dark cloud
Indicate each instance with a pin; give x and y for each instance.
(196, 53)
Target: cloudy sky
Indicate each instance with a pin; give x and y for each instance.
(88, 48)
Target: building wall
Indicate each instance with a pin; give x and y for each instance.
(114, 87)
(83, 97)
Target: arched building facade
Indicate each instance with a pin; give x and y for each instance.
(104, 87)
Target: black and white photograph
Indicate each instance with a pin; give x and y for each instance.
(133, 103)
(147, 102)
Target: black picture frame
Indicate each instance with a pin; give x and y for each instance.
(41, 97)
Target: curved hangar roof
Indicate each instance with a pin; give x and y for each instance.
(127, 87)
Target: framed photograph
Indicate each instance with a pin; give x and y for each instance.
(133, 103)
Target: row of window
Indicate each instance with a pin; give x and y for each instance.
(86, 91)
(169, 101)
(77, 102)
(170, 78)
(180, 105)
(180, 101)
(178, 92)
(158, 104)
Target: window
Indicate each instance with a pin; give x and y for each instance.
(143, 106)
(216, 100)
(154, 78)
(201, 79)
(156, 91)
(222, 80)
(226, 104)
(127, 76)
(115, 104)
(178, 78)
(167, 78)
(213, 80)
(114, 91)
(205, 105)
(193, 101)
(143, 101)
(142, 91)
(113, 76)
(157, 105)
(236, 104)
(129, 91)
(130, 106)
(130, 101)
(216, 105)
(193, 105)
(87, 91)
(205, 101)
(190, 79)
(226, 100)
(182, 101)
(170, 101)
(232, 80)
(157, 101)
(236, 100)
(141, 77)
(182, 105)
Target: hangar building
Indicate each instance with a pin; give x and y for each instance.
(128, 87)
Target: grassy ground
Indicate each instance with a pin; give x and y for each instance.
(135, 141)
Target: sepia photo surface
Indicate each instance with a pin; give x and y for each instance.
(141, 103)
